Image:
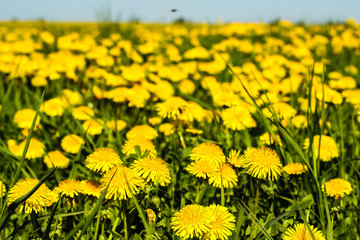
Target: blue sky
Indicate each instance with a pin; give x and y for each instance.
(194, 10)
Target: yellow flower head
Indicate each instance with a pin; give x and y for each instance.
(153, 169)
(263, 163)
(93, 126)
(295, 168)
(210, 152)
(56, 159)
(301, 232)
(283, 110)
(144, 144)
(103, 159)
(187, 86)
(191, 221)
(237, 118)
(91, 187)
(70, 97)
(117, 125)
(167, 128)
(328, 148)
(144, 131)
(235, 159)
(83, 113)
(225, 175)
(36, 148)
(172, 107)
(72, 143)
(124, 184)
(41, 198)
(201, 168)
(69, 188)
(53, 107)
(337, 188)
(2, 189)
(24, 118)
(222, 223)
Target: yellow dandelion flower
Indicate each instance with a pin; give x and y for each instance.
(154, 120)
(93, 126)
(144, 144)
(83, 113)
(295, 168)
(201, 168)
(225, 174)
(69, 188)
(144, 131)
(124, 184)
(39, 81)
(117, 125)
(91, 187)
(263, 163)
(70, 97)
(186, 86)
(53, 107)
(237, 118)
(41, 198)
(191, 221)
(337, 188)
(167, 128)
(172, 107)
(301, 232)
(210, 152)
(268, 139)
(2, 189)
(153, 169)
(222, 223)
(151, 215)
(36, 148)
(24, 118)
(235, 159)
(72, 143)
(194, 131)
(283, 110)
(103, 159)
(56, 159)
(328, 148)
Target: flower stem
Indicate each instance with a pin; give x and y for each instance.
(255, 209)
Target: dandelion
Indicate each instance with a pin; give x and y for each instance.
(124, 184)
(144, 131)
(117, 125)
(91, 187)
(93, 126)
(194, 131)
(201, 168)
(235, 159)
(337, 188)
(225, 175)
(301, 232)
(154, 120)
(192, 220)
(83, 113)
(24, 118)
(283, 110)
(210, 152)
(167, 128)
(263, 163)
(186, 86)
(42, 197)
(102, 160)
(72, 143)
(144, 144)
(237, 118)
(222, 223)
(69, 188)
(328, 148)
(295, 168)
(36, 148)
(53, 107)
(56, 159)
(2, 189)
(151, 215)
(172, 107)
(154, 169)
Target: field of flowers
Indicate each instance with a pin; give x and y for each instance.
(178, 131)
